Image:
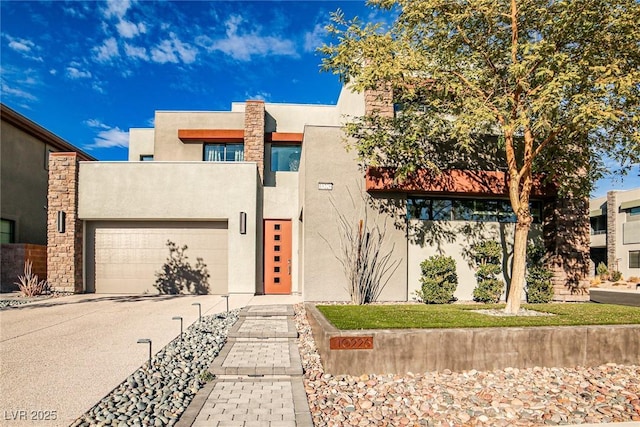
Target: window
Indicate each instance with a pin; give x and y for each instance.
(598, 224)
(487, 210)
(7, 231)
(634, 259)
(285, 158)
(634, 211)
(146, 157)
(223, 152)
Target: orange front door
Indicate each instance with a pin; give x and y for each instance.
(277, 256)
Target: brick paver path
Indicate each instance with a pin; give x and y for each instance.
(259, 376)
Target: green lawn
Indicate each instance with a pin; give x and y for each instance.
(461, 316)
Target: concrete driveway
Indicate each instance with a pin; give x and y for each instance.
(60, 356)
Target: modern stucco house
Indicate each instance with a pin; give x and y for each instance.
(256, 193)
(24, 175)
(615, 231)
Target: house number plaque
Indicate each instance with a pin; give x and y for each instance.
(351, 343)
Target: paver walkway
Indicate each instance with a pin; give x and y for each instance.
(258, 375)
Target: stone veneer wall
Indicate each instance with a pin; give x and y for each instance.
(64, 250)
(612, 216)
(254, 134)
(14, 256)
(379, 101)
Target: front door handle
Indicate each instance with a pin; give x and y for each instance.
(289, 266)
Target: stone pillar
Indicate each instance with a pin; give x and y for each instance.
(612, 216)
(379, 102)
(254, 134)
(64, 247)
(567, 240)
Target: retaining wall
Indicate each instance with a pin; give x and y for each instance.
(420, 350)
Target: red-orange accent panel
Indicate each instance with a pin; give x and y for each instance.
(277, 256)
(454, 181)
(287, 137)
(211, 135)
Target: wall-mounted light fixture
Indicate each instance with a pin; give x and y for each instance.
(243, 223)
(61, 221)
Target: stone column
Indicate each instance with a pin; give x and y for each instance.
(64, 247)
(612, 216)
(254, 134)
(379, 102)
(567, 240)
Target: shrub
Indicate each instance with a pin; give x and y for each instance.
(615, 276)
(439, 280)
(29, 284)
(602, 271)
(595, 281)
(539, 286)
(634, 279)
(487, 256)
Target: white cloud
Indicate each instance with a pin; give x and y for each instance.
(242, 47)
(173, 51)
(129, 30)
(75, 73)
(94, 123)
(314, 39)
(259, 96)
(136, 52)
(53, 71)
(8, 91)
(20, 45)
(108, 137)
(117, 8)
(107, 51)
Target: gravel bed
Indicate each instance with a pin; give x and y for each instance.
(158, 395)
(504, 397)
(5, 303)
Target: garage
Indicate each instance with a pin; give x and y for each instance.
(123, 257)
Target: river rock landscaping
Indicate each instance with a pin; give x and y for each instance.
(506, 397)
(158, 395)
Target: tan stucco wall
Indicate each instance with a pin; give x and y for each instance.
(455, 239)
(141, 142)
(167, 145)
(179, 191)
(23, 184)
(326, 160)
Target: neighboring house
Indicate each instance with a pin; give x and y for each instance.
(25, 165)
(256, 192)
(615, 232)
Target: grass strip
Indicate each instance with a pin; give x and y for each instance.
(405, 316)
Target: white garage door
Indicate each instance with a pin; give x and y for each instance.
(124, 257)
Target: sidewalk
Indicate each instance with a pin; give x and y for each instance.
(258, 375)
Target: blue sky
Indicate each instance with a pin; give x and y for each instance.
(89, 71)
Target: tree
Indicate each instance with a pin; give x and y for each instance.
(544, 86)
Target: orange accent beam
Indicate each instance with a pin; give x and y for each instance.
(286, 137)
(211, 135)
(450, 182)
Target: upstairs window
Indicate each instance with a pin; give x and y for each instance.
(146, 157)
(223, 152)
(285, 158)
(7, 231)
(486, 210)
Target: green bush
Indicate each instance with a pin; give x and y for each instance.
(487, 256)
(615, 276)
(539, 286)
(602, 271)
(439, 280)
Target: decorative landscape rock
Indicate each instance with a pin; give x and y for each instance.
(506, 397)
(157, 396)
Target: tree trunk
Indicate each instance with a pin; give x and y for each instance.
(519, 267)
